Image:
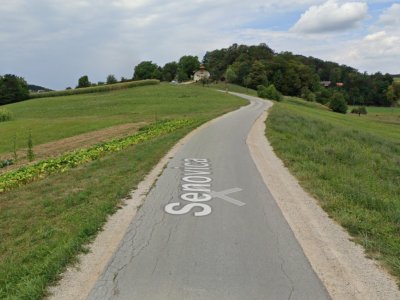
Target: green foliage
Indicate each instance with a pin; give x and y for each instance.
(97, 89)
(70, 160)
(361, 110)
(230, 75)
(350, 164)
(83, 82)
(5, 115)
(13, 89)
(308, 95)
(269, 92)
(169, 71)
(324, 95)
(30, 155)
(258, 75)
(188, 64)
(291, 74)
(393, 92)
(338, 103)
(111, 79)
(147, 70)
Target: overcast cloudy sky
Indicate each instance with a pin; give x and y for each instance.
(54, 42)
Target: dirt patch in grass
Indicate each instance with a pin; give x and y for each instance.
(80, 141)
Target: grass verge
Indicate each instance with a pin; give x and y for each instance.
(351, 164)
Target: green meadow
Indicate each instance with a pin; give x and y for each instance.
(51, 119)
(351, 164)
(46, 223)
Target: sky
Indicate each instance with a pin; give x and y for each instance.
(53, 42)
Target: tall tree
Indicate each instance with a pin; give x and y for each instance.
(188, 64)
(111, 79)
(169, 71)
(83, 82)
(13, 89)
(147, 70)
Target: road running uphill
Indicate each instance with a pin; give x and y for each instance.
(210, 229)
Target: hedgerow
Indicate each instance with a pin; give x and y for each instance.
(26, 174)
(96, 89)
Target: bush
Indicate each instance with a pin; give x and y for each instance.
(269, 92)
(308, 95)
(361, 110)
(338, 103)
(5, 115)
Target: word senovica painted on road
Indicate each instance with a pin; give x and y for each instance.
(196, 188)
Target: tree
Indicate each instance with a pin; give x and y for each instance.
(258, 75)
(147, 70)
(338, 103)
(111, 79)
(393, 93)
(169, 71)
(83, 82)
(230, 75)
(13, 89)
(188, 64)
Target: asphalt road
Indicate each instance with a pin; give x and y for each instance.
(210, 229)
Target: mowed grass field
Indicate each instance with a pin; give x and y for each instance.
(45, 224)
(51, 119)
(351, 164)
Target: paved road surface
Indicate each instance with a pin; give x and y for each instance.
(210, 229)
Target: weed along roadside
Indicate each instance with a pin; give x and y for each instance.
(46, 221)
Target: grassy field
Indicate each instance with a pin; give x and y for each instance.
(45, 224)
(351, 164)
(51, 119)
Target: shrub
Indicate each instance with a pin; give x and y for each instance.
(308, 95)
(269, 92)
(361, 110)
(338, 103)
(5, 115)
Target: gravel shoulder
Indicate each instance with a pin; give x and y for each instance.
(340, 263)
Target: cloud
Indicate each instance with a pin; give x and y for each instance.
(391, 16)
(331, 17)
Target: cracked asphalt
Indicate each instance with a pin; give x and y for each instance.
(235, 252)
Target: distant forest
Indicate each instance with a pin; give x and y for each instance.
(297, 75)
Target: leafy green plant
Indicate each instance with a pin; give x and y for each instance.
(73, 159)
(5, 115)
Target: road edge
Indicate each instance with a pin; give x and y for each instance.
(340, 264)
(79, 279)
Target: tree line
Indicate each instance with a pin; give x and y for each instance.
(257, 67)
(298, 75)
